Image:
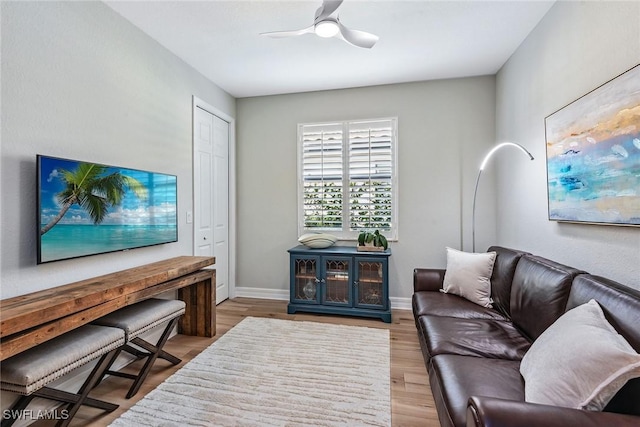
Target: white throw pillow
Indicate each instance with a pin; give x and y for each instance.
(580, 361)
(469, 275)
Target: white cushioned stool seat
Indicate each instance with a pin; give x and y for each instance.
(32, 369)
(29, 372)
(140, 317)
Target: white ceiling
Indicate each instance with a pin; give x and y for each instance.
(419, 40)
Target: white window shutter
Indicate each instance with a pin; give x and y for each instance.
(347, 177)
(322, 176)
(371, 175)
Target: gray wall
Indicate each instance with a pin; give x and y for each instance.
(81, 82)
(444, 127)
(577, 47)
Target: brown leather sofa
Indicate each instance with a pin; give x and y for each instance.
(473, 353)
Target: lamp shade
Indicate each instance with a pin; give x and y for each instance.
(475, 191)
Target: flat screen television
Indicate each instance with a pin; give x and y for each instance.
(87, 208)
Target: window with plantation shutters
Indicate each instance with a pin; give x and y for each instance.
(322, 180)
(347, 177)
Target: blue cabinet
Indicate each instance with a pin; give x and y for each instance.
(340, 280)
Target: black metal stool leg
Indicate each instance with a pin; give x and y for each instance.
(134, 351)
(112, 359)
(96, 374)
(66, 397)
(154, 349)
(168, 357)
(154, 353)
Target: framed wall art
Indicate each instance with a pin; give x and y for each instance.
(593, 155)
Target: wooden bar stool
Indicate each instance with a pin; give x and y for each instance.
(29, 372)
(136, 319)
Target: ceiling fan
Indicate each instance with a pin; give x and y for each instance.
(327, 24)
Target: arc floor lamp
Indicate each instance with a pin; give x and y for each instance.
(475, 192)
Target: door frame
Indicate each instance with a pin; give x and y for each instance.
(199, 103)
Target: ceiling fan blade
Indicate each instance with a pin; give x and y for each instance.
(356, 37)
(327, 9)
(292, 33)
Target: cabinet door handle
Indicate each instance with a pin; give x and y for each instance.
(317, 281)
(322, 281)
(355, 283)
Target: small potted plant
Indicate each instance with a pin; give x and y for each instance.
(372, 241)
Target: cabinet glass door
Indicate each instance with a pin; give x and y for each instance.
(306, 285)
(369, 284)
(335, 281)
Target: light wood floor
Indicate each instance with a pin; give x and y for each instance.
(411, 400)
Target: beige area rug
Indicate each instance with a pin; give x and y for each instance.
(271, 372)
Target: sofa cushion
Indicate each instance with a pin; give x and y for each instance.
(539, 293)
(473, 337)
(455, 378)
(468, 275)
(502, 276)
(440, 304)
(600, 360)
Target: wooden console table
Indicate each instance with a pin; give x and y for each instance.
(31, 319)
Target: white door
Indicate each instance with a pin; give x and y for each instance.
(211, 194)
(221, 206)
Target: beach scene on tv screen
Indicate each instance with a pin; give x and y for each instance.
(87, 209)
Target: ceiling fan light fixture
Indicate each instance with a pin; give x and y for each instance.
(327, 24)
(326, 28)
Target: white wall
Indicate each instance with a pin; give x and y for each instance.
(577, 47)
(444, 128)
(81, 82)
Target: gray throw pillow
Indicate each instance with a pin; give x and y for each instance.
(469, 275)
(580, 361)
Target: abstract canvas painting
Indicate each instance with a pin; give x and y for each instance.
(593, 155)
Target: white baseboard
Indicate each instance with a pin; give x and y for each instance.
(261, 293)
(397, 303)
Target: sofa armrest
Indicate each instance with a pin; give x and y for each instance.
(427, 279)
(492, 412)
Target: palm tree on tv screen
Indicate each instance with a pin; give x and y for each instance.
(95, 192)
